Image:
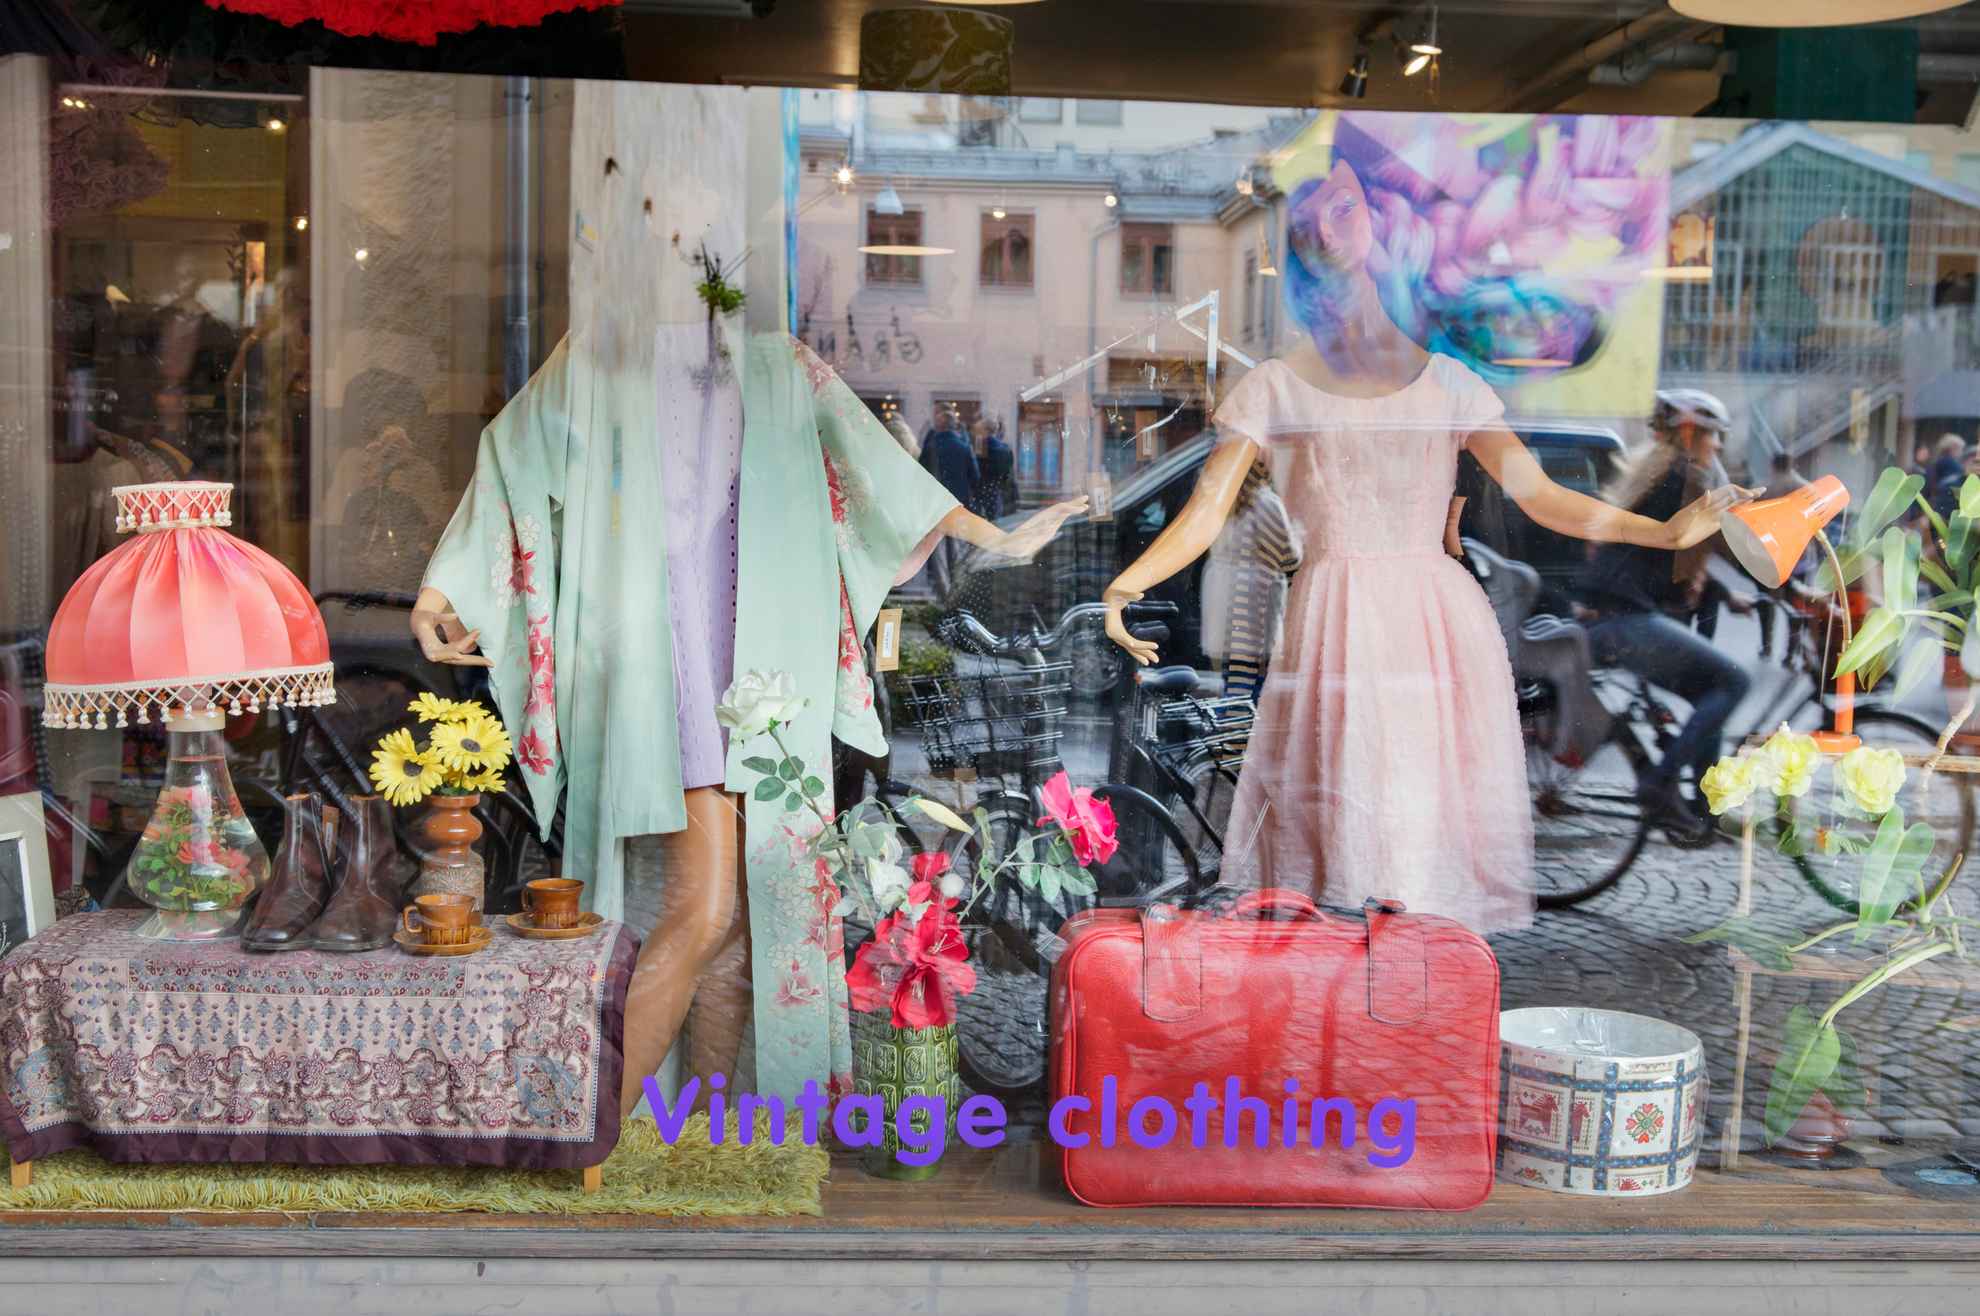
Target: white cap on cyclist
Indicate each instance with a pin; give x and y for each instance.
(1675, 406)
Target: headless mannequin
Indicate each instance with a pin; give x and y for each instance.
(704, 860)
(1359, 352)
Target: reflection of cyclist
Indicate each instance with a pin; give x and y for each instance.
(1632, 593)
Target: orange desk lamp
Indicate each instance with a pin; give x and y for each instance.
(1768, 538)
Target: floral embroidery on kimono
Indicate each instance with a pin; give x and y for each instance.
(854, 693)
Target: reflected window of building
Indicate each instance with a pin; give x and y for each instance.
(1006, 251)
(1148, 254)
(1852, 273)
(1041, 109)
(1101, 113)
(1041, 444)
(887, 231)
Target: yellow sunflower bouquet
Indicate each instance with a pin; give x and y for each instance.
(465, 752)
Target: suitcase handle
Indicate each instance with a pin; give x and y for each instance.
(1276, 900)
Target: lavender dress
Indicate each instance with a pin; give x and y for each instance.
(701, 429)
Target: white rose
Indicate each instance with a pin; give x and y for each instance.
(757, 699)
(889, 884)
(952, 886)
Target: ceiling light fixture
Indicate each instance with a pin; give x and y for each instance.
(843, 176)
(904, 249)
(302, 223)
(1110, 200)
(1355, 84)
(888, 202)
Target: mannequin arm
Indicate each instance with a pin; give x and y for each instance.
(1506, 459)
(433, 622)
(1036, 531)
(1186, 538)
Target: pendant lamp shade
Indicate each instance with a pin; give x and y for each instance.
(183, 618)
(1807, 13)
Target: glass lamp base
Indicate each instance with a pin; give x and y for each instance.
(201, 925)
(199, 861)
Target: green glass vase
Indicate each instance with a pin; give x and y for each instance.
(895, 1064)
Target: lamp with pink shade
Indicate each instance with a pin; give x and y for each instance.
(187, 624)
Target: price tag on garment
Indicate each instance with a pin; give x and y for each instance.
(887, 640)
(1100, 498)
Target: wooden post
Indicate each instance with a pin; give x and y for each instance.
(23, 1173)
(1736, 1115)
(594, 1178)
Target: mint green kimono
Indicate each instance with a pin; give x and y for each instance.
(557, 555)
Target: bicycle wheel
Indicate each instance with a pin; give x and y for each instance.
(1203, 811)
(1588, 825)
(1156, 860)
(1003, 1026)
(1946, 805)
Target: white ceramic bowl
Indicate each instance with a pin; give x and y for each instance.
(1598, 1102)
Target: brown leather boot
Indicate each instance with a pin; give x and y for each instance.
(370, 877)
(301, 886)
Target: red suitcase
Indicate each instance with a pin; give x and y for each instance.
(1391, 1022)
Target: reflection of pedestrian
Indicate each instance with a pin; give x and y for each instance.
(1244, 584)
(996, 491)
(946, 455)
(1946, 474)
(904, 435)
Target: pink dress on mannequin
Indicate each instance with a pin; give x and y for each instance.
(1386, 759)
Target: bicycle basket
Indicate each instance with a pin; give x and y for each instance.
(993, 724)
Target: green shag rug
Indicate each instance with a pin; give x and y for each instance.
(643, 1176)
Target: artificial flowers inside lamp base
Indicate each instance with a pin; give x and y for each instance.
(189, 625)
(1768, 538)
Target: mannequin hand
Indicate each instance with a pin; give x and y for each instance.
(1698, 520)
(440, 634)
(1140, 650)
(1038, 530)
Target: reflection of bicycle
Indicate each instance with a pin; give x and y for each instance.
(1187, 739)
(998, 721)
(1589, 825)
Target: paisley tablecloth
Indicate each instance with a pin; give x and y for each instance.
(176, 1051)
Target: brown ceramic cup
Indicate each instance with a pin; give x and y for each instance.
(441, 919)
(552, 902)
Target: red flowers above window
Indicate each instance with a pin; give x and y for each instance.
(421, 21)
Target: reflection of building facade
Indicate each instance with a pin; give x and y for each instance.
(1834, 309)
(963, 266)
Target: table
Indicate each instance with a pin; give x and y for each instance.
(158, 1051)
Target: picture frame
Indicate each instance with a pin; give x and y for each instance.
(27, 893)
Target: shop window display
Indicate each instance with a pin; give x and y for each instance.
(1267, 713)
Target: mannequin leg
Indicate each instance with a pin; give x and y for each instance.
(718, 1019)
(705, 873)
